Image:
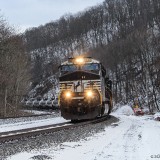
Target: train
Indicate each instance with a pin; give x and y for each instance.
(85, 89)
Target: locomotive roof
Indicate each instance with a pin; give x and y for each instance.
(91, 60)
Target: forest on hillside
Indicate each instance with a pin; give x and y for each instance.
(123, 34)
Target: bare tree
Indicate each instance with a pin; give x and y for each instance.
(13, 69)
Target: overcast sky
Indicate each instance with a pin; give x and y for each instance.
(32, 13)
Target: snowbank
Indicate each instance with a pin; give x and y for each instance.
(124, 110)
(157, 116)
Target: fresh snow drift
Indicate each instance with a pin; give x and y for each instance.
(125, 110)
(157, 116)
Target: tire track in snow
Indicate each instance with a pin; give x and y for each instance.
(124, 142)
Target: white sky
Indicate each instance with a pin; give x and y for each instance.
(32, 13)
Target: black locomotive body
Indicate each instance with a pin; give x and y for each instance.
(85, 92)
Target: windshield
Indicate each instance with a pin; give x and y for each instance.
(90, 67)
(86, 67)
(68, 68)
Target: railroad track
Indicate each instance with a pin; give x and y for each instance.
(26, 116)
(18, 134)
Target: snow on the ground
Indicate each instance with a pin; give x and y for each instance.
(132, 138)
(30, 124)
(37, 112)
(125, 110)
(157, 116)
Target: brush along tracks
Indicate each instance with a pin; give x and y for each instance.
(31, 132)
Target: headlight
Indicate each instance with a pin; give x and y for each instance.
(89, 94)
(79, 60)
(68, 94)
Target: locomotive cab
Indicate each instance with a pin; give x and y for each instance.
(83, 90)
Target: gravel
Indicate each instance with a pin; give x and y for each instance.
(53, 140)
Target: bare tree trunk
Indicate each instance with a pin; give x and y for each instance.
(16, 106)
(5, 103)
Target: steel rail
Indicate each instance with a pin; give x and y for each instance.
(18, 134)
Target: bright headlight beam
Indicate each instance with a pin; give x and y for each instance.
(80, 60)
(68, 94)
(89, 93)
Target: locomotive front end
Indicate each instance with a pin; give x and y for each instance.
(80, 105)
(80, 89)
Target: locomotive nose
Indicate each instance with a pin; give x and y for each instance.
(81, 105)
(88, 97)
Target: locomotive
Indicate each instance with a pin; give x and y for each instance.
(85, 90)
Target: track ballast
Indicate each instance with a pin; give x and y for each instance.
(30, 132)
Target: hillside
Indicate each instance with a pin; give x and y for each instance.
(124, 35)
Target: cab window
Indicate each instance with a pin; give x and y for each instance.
(68, 68)
(90, 67)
